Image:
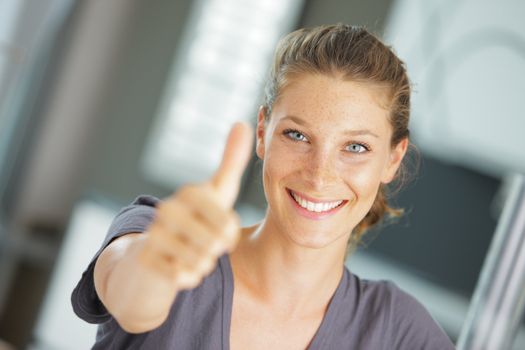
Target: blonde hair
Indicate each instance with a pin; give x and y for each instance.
(350, 53)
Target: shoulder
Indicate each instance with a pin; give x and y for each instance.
(144, 200)
(406, 320)
(134, 217)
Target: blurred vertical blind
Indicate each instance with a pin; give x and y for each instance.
(9, 11)
(216, 80)
(9, 16)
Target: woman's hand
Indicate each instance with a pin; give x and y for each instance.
(197, 224)
(138, 275)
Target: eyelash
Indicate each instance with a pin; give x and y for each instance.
(287, 133)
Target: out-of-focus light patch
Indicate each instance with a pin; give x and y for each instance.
(216, 80)
(468, 69)
(57, 327)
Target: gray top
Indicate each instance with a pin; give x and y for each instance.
(362, 314)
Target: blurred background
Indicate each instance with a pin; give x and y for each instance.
(101, 101)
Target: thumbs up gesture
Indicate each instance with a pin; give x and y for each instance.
(197, 224)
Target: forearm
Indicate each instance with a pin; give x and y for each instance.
(138, 297)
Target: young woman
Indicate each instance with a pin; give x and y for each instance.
(181, 274)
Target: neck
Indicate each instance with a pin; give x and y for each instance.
(283, 274)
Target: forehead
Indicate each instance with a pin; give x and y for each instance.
(322, 100)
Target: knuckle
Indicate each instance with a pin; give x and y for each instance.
(186, 256)
(211, 247)
(211, 266)
(186, 279)
(205, 265)
(216, 247)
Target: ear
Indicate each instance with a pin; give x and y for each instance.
(396, 156)
(259, 149)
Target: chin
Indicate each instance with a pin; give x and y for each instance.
(317, 239)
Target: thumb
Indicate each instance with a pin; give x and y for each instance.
(235, 158)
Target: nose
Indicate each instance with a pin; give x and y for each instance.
(320, 170)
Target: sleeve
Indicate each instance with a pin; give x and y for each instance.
(412, 325)
(134, 218)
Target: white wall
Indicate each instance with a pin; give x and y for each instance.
(58, 328)
(467, 61)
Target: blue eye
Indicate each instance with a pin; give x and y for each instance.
(356, 148)
(294, 135)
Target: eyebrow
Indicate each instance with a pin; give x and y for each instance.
(348, 132)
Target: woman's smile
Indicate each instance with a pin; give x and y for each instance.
(314, 208)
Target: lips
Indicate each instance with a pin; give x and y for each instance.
(314, 208)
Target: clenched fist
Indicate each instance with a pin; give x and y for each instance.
(197, 224)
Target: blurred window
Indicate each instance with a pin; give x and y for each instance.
(217, 78)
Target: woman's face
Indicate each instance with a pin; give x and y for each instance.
(325, 150)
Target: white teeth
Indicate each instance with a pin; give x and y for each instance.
(316, 207)
(302, 202)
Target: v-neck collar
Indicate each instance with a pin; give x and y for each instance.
(323, 333)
